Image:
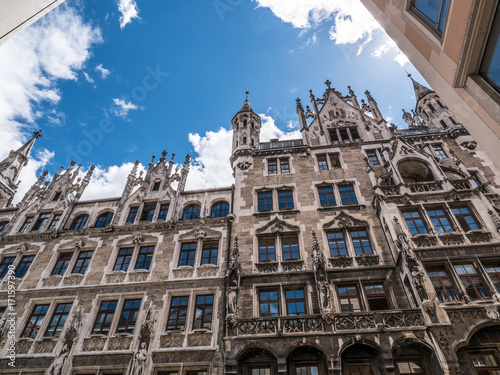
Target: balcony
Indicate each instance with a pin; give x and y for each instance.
(281, 144)
(313, 324)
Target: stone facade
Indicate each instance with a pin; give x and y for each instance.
(358, 249)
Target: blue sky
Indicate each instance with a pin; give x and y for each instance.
(114, 82)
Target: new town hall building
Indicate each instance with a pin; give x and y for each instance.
(359, 249)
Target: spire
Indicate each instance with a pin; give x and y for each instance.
(246, 105)
(420, 90)
(26, 148)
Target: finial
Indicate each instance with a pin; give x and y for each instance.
(408, 74)
(172, 158)
(37, 134)
(247, 92)
(299, 104)
(328, 83)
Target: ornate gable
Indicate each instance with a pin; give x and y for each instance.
(200, 233)
(277, 226)
(343, 220)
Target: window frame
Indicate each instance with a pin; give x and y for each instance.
(438, 220)
(285, 202)
(61, 269)
(132, 215)
(33, 331)
(219, 208)
(268, 302)
(27, 222)
(148, 211)
(163, 211)
(461, 217)
(204, 324)
(283, 238)
(439, 151)
(349, 297)
(56, 332)
(129, 319)
(428, 22)
(336, 241)
(468, 278)
(104, 220)
(348, 195)
(211, 259)
(24, 265)
(186, 262)
(295, 300)
(178, 309)
(443, 291)
(4, 266)
(373, 296)
(85, 262)
(191, 212)
(131, 249)
(272, 166)
(271, 242)
(413, 219)
(361, 239)
(148, 255)
(326, 194)
(265, 200)
(79, 222)
(41, 221)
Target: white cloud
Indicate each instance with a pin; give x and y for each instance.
(269, 130)
(121, 107)
(104, 72)
(211, 168)
(128, 10)
(32, 64)
(389, 48)
(313, 40)
(87, 77)
(352, 22)
(108, 182)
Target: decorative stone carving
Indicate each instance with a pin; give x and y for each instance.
(452, 239)
(52, 280)
(294, 325)
(138, 238)
(79, 244)
(45, 346)
(479, 237)
(139, 361)
(367, 260)
(403, 319)
(116, 277)
(443, 342)
(183, 272)
(341, 261)
(172, 340)
(56, 368)
(93, 344)
(200, 339)
(495, 218)
(460, 315)
(354, 321)
(292, 265)
(492, 312)
(73, 279)
(200, 234)
(418, 282)
(21, 248)
(244, 165)
(119, 343)
(266, 267)
(470, 145)
(424, 241)
(138, 276)
(207, 270)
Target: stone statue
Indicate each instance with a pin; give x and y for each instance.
(418, 281)
(324, 292)
(59, 361)
(140, 360)
(231, 298)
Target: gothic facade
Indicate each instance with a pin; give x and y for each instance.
(358, 249)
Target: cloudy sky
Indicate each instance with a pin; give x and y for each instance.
(111, 82)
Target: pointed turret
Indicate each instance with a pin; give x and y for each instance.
(420, 90)
(11, 167)
(246, 127)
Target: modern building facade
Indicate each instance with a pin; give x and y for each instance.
(358, 249)
(455, 45)
(17, 15)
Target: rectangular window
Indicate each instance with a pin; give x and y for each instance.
(354, 133)
(42, 220)
(465, 218)
(82, 262)
(284, 165)
(23, 266)
(494, 274)
(326, 197)
(144, 258)
(471, 281)
(361, 242)
(377, 299)
(57, 195)
(347, 194)
(58, 319)
(438, 149)
(333, 135)
(344, 134)
(475, 178)
(3, 226)
(290, 247)
(187, 255)
(272, 166)
(26, 224)
(54, 222)
(265, 200)
(349, 298)
(104, 318)
(485, 363)
(4, 266)
(491, 58)
(162, 215)
(35, 321)
(268, 303)
(295, 302)
(177, 315)
(372, 157)
(322, 164)
(443, 285)
(334, 160)
(148, 212)
(443, 123)
(128, 317)
(62, 264)
(336, 243)
(267, 250)
(123, 259)
(156, 185)
(410, 367)
(203, 312)
(382, 157)
(209, 252)
(440, 220)
(132, 214)
(415, 223)
(285, 199)
(432, 12)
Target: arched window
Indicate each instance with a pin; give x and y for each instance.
(3, 225)
(415, 171)
(220, 209)
(191, 212)
(79, 222)
(104, 220)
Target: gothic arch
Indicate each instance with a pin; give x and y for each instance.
(306, 356)
(363, 341)
(256, 357)
(415, 169)
(475, 329)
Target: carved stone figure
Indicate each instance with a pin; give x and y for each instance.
(140, 360)
(324, 292)
(418, 282)
(232, 303)
(59, 362)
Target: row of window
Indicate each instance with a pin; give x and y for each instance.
(108, 320)
(329, 195)
(440, 219)
(444, 280)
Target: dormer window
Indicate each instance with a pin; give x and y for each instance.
(104, 220)
(148, 211)
(79, 222)
(156, 186)
(57, 195)
(244, 140)
(191, 212)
